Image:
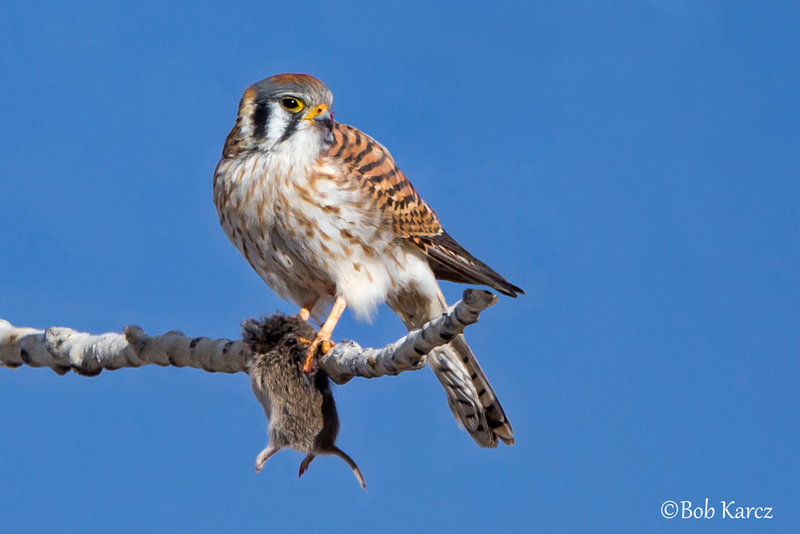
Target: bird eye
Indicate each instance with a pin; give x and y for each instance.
(292, 104)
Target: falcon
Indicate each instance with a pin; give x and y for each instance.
(323, 214)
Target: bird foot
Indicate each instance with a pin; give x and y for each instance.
(321, 344)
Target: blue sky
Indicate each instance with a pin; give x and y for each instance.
(633, 166)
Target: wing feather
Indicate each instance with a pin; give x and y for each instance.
(407, 214)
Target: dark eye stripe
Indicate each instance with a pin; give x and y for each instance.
(290, 128)
(260, 117)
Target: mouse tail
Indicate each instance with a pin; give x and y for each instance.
(336, 451)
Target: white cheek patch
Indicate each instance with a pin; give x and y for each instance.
(301, 149)
(278, 122)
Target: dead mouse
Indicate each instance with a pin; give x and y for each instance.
(301, 411)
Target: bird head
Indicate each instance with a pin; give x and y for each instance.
(291, 112)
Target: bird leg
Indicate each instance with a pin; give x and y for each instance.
(323, 339)
(305, 314)
(305, 310)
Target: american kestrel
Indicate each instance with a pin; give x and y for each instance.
(327, 219)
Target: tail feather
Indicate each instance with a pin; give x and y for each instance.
(469, 394)
(495, 415)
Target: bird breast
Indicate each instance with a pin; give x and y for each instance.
(310, 231)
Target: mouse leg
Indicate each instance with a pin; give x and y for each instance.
(305, 463)
(264, 455)
(336, 451)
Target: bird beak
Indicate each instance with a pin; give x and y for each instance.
(319, 113)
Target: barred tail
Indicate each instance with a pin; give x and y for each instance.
(469, 394)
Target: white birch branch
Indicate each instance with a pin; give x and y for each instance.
(348, 359)
(64, 349)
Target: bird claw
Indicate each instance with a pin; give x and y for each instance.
(310, 366)
(320, 344)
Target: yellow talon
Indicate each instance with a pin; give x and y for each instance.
(323, 339)
(320, 343)
(308, 367)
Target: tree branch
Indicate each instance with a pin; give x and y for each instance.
(64, 349)
(348, 359)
